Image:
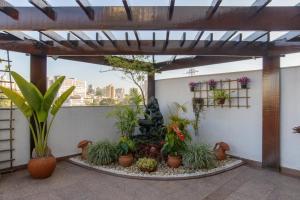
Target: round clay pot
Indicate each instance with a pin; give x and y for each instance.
(126, 160)
(174, 161)
(41, 167)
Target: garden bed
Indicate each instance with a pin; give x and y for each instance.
(163, 172)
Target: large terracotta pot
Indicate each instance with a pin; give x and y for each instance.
(174, 161)
(126, 160)
(42, 167)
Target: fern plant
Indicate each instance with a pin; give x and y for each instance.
(199, 156)
(102, 153)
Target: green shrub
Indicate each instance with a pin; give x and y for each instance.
(102, 153)
(199, 156)
(147, 164)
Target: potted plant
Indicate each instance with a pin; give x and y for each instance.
(193, 86)
(220, 96)
(147, 164)
(244, 81)
(212, 84)
(177, 136)
(38, 107)
(125, 148)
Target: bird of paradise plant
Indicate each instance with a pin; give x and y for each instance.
(34, 105)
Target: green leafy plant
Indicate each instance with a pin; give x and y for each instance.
(127, 116)
(199, 156)
(102, 153)
(220, 96)
(177, 136)
(147, 164)
(125, 146)
(33, 104)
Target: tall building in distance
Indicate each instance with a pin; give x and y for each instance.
(78, 95)
(110, 91)
(120, 93)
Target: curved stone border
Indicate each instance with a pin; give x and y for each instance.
(144, 176)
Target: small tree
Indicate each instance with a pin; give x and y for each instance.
(135, 69)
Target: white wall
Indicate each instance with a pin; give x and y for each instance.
(241, 127)
(71, 125)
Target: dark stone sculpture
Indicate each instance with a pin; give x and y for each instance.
(151, 128)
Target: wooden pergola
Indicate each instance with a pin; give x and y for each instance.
(232, 46)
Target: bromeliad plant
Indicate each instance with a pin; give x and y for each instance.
(38, 107)
(177, 135)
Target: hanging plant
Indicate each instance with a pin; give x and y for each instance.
(244, 81)
(193, 86)
(220, 96)
(212, 84)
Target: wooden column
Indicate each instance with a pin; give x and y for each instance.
(38, 76)
(151, 86)
(271, 112)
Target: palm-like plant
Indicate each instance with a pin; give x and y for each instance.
(37, 106)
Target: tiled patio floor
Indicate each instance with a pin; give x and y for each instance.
(71, 182)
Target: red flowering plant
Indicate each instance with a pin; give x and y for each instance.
(177, 136)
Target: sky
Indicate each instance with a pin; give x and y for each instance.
(90, 72)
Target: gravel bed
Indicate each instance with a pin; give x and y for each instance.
(163, 171)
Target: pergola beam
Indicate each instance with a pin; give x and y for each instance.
(45, 7)
(9, 10)
(256, 49)
(58, 38)
(183, 39)
(137, 37)
(87, 8)
(260, 4)
(213, 8)
(127, 9)
(197, 62)
(226, 37)
(171, 9)
(166, 41)
(85, 38)
(185, 18)
(110, 36)
(197, 39)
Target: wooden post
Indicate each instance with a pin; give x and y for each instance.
(151, 86)
(38, 76)
(271, 112)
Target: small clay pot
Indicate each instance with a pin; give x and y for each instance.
(221, 101)
(244, 86)
(126, 160)
(174, 161)
(41, 167)
(192, 89)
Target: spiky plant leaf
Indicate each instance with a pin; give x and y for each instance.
(18, 100)
(60, 100)
(29, 91)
